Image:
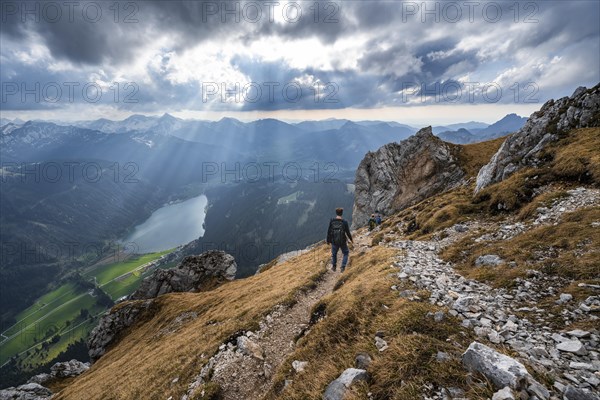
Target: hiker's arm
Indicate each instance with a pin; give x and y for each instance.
(347, 228)
(329, 233)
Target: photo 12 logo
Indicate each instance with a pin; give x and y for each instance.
(68, 171)
(270, 11)
(69, 92)
(53, 12)
(469, 92)
(252, 172)
(469, 11)
(17, 252)
(270, 92)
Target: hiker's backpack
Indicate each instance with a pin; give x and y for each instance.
(337, 232)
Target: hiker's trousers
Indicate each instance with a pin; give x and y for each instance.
(334, 251)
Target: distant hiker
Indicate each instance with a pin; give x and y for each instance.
(372, 222)
(378, 219)
(337, 234)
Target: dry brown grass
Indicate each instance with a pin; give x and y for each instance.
(472, 157)
(543, 200)
(143, 364)
(577, 156)
(570, 249)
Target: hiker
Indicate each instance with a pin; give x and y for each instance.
(372, 222)
(337, 234)
(378, 219)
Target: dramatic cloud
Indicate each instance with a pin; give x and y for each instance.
(169, 56)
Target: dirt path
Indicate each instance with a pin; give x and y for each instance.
(246, 371)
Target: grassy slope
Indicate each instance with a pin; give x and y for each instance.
(145, 362)
(41, 307)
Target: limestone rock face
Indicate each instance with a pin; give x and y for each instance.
(191, 275)
(111, 325)
(399, 175)
(523, 148)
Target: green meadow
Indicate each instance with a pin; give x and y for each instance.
(64, 314)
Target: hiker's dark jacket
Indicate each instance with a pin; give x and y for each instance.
(346, 229)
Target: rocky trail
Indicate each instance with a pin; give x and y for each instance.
(244, 370)
(510, 317)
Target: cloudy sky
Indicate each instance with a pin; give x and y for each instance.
(413, 62)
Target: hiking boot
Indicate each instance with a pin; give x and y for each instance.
(343, 269)
(334, 268)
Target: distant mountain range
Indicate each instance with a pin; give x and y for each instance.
(266, 134)
(463, 135)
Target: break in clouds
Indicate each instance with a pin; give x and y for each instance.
(155, 56)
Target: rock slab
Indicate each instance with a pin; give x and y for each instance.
(337, 389)
(500, 369)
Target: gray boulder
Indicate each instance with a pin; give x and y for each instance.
(399, 175)
(572, 393)
(68, 369)
(249, 347)
(61, 370)
(40, 378)
(488, 260)
(500, 369)
(193, 274)
(572, 346)
(523, 148)
(504, 394)
(362, 360)
(337, 389)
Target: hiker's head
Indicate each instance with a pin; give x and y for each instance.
(339, 211)
(372, 215)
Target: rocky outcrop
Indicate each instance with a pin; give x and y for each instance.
(399, 175)
(192, 275)
(523, 148)
(29, 391)
(111, 326)
(61, 370)
(33, 389)
(195, 273)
